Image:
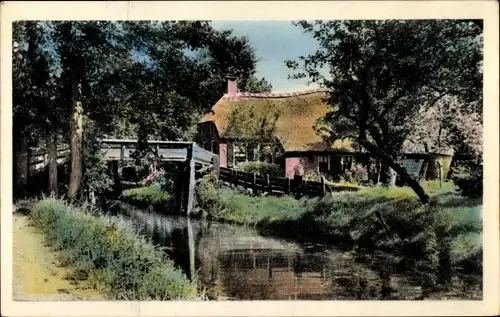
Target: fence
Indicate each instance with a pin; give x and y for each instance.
(297, 186)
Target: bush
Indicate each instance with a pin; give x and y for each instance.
(470, 180)
(261, 168)
(110, 253)
(208, 198)
(357, 174)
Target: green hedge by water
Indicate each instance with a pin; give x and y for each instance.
(110, 253)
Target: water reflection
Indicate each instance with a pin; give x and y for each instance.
(246, 265)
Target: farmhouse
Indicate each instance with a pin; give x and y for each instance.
(296, 146)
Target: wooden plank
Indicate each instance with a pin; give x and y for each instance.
(190, 173)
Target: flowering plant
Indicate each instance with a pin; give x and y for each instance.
(357, 174)
(154, 177)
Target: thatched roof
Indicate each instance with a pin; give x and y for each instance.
(299, 114)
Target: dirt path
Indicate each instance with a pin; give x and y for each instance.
(35, 273)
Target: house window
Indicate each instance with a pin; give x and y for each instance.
(310, 159)
(250, 153)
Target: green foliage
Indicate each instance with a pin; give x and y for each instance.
(59, 66)
(469, 178)
(261, 168)
(147, 196)
(379, 70)
(97, 178)
(257, 85)
(208, 198)
(111, 254)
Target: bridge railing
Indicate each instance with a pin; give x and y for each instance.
(38, 159)
(122, 149)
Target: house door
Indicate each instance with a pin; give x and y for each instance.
(323, 164)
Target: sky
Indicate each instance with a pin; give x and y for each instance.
(274, 42)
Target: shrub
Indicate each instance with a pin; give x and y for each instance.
(262, 168)
(96, 178)
(111, 254)
(470, 181)
(208, 198)
(357, 174)
(154, 177)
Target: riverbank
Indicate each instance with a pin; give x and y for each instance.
(434, 241)
(36, 273)
(386, 227)
(108, 253)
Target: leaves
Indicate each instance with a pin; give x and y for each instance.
(383, 73)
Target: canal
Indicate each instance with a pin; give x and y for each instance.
(235, 262)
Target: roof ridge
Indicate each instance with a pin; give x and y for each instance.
(258, 95)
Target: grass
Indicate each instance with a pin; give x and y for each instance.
(147, 196)
(444, 233)
(110, 254)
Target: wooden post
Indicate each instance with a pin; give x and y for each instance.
(116, 176)
(235, 179)
(440, 168)
(190, 177)
(216, 166)
(268, 185)
(254, 184)
(287, 186)
(122, 156)
(179, 188)
(191, 247)
(323, 186)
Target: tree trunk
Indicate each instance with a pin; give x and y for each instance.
(52, 157)
(407, 178)
(20, 167)
(76, 146)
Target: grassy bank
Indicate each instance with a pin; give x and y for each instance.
(443, 237)
(108, 252)
(147, 197)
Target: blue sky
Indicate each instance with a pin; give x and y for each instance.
(274, 42)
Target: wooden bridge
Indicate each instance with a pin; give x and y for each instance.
(190, 155)
(122, 149)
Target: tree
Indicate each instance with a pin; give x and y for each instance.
(84, 79)
(86, 53)
(447, 126)
(255, 125)
(257, 85)
(383, 72)
(33, 107)
(183, 75)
